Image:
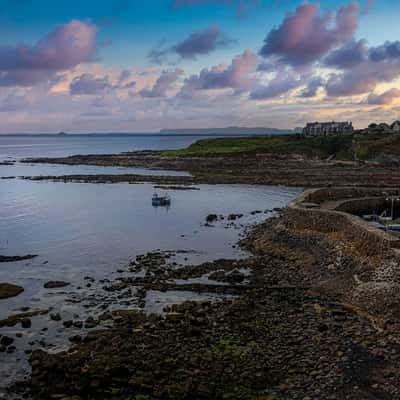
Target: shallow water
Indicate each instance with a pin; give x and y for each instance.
(80, 229)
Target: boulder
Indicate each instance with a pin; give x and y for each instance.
(55, 284)
(9, 290)
(211, 218)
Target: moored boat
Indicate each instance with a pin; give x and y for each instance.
(158, 200)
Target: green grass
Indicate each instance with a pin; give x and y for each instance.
(285, 144)
(370, 146)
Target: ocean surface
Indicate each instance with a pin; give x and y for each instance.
(82, 229)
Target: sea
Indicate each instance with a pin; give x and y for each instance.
(91, 230)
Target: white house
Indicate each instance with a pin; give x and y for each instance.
(395, 126)
(328, 128)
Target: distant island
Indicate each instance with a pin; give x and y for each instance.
(229, 130)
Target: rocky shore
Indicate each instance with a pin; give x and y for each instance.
(259, 168)
(312, 313)
(16, 258)
(304, 323)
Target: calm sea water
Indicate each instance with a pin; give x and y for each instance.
(80, 229)
(20, 147)
(17, 147)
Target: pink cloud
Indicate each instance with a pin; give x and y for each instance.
(65, 47)
(305, 36)
(385, 98)
(237, 75)
(164, 83)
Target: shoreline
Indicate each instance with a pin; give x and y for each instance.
(314, 321)
(282, 337)
(315, 317)
(249, 168)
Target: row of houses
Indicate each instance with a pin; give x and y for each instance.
(328, 128)
(394, 127)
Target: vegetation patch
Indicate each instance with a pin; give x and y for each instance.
(322, 147)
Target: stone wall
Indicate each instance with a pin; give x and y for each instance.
(334, 194)
(368, 239)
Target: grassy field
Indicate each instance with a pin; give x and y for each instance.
(322, 147)
(375, 144)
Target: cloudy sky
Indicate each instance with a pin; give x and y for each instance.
(139, 66)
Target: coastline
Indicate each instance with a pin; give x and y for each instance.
(312, 313)
(254, 168)
(315, 320)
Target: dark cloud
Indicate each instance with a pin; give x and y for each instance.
(385, 98)
(282, 83)
(237, 75)
(164, 83)
(202, 42)
(87, 84)
(387, 51)
(65, 47)
(312, 87)
(349, 55)
(196, 44)
(382, 64)
(305, 36)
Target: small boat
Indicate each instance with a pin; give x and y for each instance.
(158, 201)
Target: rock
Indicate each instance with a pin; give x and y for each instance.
(55, 284)
(232, 217)
(75, 339)
(68, 323)
(26, 323)
(6, 341)
(217, 275)
(235, 276)
(211, 218)
(78, 324)
(55, 316)
(9, 290)
(91, 323)
(17, 258)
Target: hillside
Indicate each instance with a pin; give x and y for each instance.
(321, 147)
(367, 145)
(377, 146)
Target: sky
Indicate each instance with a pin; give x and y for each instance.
(141, 66)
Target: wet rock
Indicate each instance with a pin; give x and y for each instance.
(8, 290)
(235, 276)
(217, 275)
(26, 323)
(78, 324)
(68, 323)
(91, 323)
(6, 341)
(55, 317)
(55, 284)
(16, 258)
(233, 217)
(211, 218)
(11, 349)
(75, 339)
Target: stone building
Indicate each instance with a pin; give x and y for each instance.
(328, 128)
